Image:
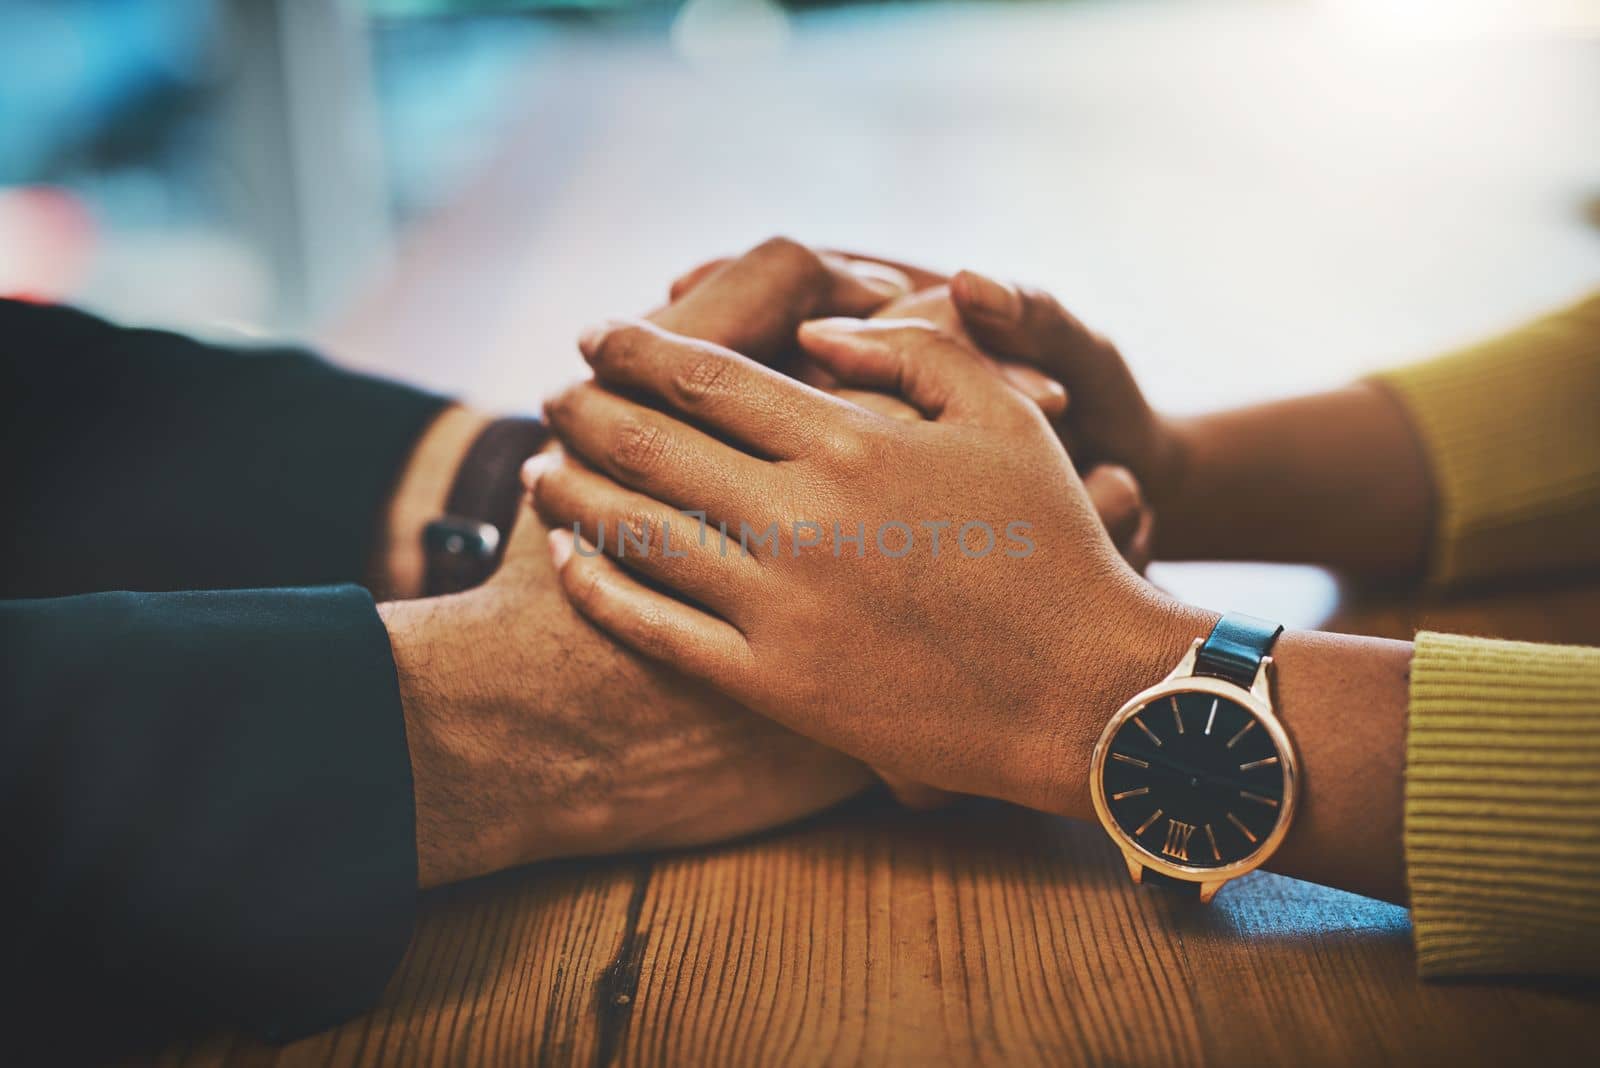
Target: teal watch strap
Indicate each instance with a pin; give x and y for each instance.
(1236, 647)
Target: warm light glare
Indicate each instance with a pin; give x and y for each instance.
(1459, 18)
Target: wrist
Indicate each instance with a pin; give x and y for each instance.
(1171, 455)
(450, 738)
(427, 705)
(1181, 491)
(1146, 634)
(419, 496)
(503, 764)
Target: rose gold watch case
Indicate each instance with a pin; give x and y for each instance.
(1258, 700)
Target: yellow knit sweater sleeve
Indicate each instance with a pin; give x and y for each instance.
(1502, 828)
(1511, 430)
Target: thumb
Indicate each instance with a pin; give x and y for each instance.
(910, 358)
(1028, 326)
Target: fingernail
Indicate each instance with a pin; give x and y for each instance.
(1041, 388)
(560, 546)
(1130, 483)
(881, 278)
(534, 467)
(839, 326)
(589, 340)
(592, 336)
(995, 300)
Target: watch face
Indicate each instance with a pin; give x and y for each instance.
(1195, 779)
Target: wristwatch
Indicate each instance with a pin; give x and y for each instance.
(463, 547)
(1195, 779)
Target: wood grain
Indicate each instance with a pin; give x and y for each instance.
(982, 934)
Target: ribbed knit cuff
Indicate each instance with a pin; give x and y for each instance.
(1502, 832)
(1511, 428)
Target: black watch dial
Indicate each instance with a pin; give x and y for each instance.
(1195, 779)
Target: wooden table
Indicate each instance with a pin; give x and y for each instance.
(982, 934)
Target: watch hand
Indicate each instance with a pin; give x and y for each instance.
(1197, 777)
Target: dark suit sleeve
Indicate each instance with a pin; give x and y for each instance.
(139, 459)
(206, 796)
(208, 812)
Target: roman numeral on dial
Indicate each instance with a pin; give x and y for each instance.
(1177, 843)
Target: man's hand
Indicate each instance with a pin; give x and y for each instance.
(986, 673)
(753, 304)
(532, 736)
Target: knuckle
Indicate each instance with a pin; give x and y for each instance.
(847, 447)
(1042, 312)
(620, 349)
(1116, 494)
(701, 378)
(653, 631)
(554, 487)
(788, 256)
(640, 526)
(640, 448)
(1039, 301)
(1130, 493)
(558, 408)
(913, 330)
(584, 582)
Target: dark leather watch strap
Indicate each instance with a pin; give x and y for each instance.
(1235, 648)
(1182, 887)
(464, 546)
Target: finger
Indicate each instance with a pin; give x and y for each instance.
(653, 624)
(891, 277)
(920, 277)
(1028, 325)
(753, 304)
(807, 371)
(1040, 388)
(880, 404)
(936, 306)
(652, 452)
(884, 278)
(694, 276)
(714, 387)
(1117, 501)
(1138, 551)
(936, 374)
(676, 550)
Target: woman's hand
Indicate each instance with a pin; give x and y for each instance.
(987, 668)
(1296, 480)
(1108, 419)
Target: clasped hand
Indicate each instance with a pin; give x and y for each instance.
(980, 666)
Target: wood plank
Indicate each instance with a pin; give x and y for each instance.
(983, 934)
(503, 970)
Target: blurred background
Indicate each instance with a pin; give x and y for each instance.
(1253, 198)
